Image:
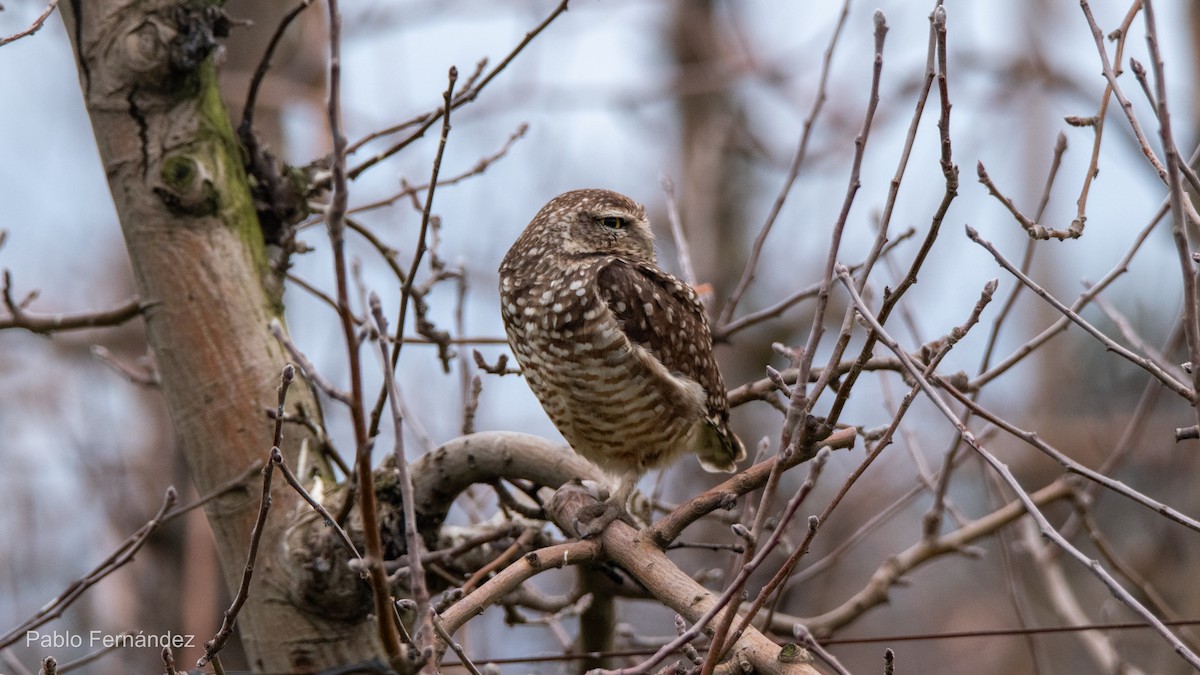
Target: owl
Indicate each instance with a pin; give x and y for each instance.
(617, 351)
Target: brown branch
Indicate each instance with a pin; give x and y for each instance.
(1098, 121)
(215, 645)
(310, 371)
(683, 251)
(760, 389)
(511, 578)
(123, 554)
(793, 172)
(937, 56)
(147, 376)
(647, 563)
(46, 324)
(952, 338)
(479, 167)
(1060, 148)
(897, 566)
(407, 290)
(326, 516)
(363, 486)
(1126, 106)
(1109, 344)
(265, 64)
(1006, 474)
(667, 529)
(1033, 440)
(424, 633)
(501, 561)
(722, 333)
(1032, 228)
(1178, 200)
(1028, 347)
(469, 94)
(795, 433)
(34, 27)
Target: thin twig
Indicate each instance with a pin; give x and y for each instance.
(795, 429)
(468, 95)
(726, 600)
(423, 633)
(511, 577)
(310, 371)
(34, 27)
(1126, 106)
(1028, 347)
(723, 332)
(1032, 228)
(479, 167)
(1002, 469)
(793, 172)
(1109, 344)
(952, 338)
(384, 614)
(1071, 465)
(422, 245)
(937, 54)
(290, 477)
(1102, 115)
(117, 559)
(264, 64)
(45, 324)
(1178, 199)
(458, 649)
(683, 251)
(217, 643)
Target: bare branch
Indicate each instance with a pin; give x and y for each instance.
(117, 559)
(1149, 366)
(1000, 468)
(34, 27)
(43, 324)
(215, 645)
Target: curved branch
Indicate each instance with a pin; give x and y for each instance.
(440, 476)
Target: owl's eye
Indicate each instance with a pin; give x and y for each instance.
(613, 222)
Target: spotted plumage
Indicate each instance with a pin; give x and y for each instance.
(618, 351)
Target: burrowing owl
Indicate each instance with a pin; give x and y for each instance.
(617, 350)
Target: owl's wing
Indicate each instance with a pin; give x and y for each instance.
(663, 316)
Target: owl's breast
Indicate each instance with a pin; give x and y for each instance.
(593, 384)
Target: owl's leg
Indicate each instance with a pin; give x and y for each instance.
(590, 521)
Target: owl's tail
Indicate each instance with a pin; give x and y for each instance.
(717, 448)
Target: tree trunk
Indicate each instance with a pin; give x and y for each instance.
(201, 270)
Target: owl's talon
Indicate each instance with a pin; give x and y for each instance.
(593, 519)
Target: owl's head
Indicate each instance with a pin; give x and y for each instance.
(589, 222)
